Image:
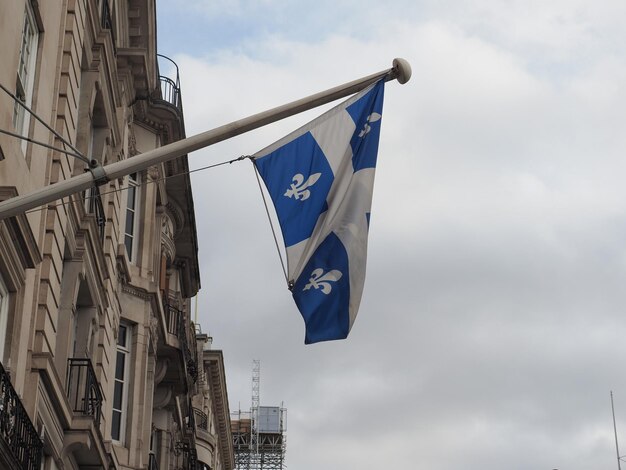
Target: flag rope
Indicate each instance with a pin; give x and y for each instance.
(267, 211)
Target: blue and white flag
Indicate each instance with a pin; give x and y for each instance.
(320, 179)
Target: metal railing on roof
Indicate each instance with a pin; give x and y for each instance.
(170, 88)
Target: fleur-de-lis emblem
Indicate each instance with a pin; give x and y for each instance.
(366, 128)
(298, 188)
(319, 280)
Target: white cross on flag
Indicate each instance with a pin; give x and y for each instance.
(320, 179)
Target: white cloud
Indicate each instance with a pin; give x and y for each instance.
(489, 333)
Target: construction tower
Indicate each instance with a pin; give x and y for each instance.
(259, 435)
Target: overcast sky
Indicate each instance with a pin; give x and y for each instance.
(493, 322)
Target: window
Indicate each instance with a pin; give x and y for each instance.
(26, 70)
(153, 454)
(4, 313)
(132, 217)
(83, 333)
(120, 387)
(89, 193)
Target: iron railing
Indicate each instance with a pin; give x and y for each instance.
(177, 325)
(16, 428)
(172, 318)
(202, 420)
(186, 456)
(170, 92)
(83, 389)
(169, 88)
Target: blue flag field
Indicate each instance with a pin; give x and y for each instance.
(320, 179)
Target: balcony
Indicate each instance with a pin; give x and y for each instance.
(170, 88)
(17, 432)
(83, 389)
(202, 420)
(177, 326)
(185, 456)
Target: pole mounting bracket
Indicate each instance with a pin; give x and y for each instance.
(98, 172)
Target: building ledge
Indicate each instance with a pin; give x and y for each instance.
(85, 442)
(44, 363)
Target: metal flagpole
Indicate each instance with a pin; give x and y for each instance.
(401, 71)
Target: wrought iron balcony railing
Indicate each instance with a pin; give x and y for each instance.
(186, 456)
(83, 389)
(170, 88)
(169, 91)
(177, 325)
(202, 420)
(173, 318)
(16, 428)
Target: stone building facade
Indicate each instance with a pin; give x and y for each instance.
(101, 365)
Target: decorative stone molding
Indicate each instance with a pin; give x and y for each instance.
(132, 142)
(167, 235)
(123, 264)
(20, 233)
(154, 332)
(162, 396)
(160, 369)
(137, 292)
(153, 173)
(178, 217)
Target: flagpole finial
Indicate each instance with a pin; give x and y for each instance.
(402, 70)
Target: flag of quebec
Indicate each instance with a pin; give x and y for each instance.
(320, 179)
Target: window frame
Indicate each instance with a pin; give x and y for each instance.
(134, 180)
(4, 316)
(125, 350)
(25, 76)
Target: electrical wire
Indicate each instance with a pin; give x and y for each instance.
(113, 191)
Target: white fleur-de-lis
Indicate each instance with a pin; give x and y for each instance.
(371, 118)
(298, 188)
(319, 280)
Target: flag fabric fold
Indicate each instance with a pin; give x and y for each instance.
(320, 179)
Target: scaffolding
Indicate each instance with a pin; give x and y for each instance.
(259, 437)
